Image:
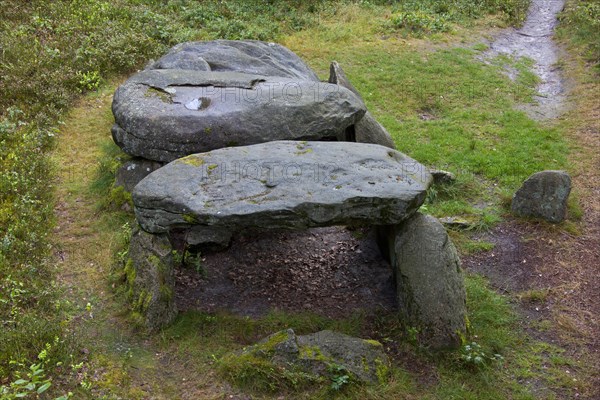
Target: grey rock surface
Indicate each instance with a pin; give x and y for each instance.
(133, 171)
(543, 195)
(430, 283)
(285, 184)
(166, 114)
(248, 56)
(367, 129)
(150, 278)
(323, 354)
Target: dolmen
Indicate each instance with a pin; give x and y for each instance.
(251, 140)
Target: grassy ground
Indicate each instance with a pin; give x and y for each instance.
(434, 97)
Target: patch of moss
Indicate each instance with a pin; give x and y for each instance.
(162, 95)
(154, 260)
(373, 342)
(382, 371)
(305, 151)
(190, 218)
(275, 340)
(193, 160)
(143, 302)
(157, 263)
(211, 168)
(365, 365)
(116, 197)
(166, 292)
(130, 272)
(314, 353)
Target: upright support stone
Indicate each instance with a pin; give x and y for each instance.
(150, 278)
(367, 129)
(429, 280)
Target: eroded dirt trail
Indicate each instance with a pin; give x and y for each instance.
(534, 40)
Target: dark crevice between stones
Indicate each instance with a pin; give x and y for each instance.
(350, 134)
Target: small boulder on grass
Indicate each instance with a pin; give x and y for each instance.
(543, 195)
(285, 360)
(441, 177)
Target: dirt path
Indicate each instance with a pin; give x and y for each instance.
(534, 40)
(117, 361)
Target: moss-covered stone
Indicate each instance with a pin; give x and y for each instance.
(282, 358)
(150, 280)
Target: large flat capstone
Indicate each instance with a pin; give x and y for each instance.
(283, 184)
(166, 114)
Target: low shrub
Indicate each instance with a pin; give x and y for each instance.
(580, 24)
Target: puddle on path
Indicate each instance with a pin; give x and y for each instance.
(534, 40)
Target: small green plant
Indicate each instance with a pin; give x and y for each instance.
(412, 335)
(88, 81)
(33, 382)
(194, 260)
(340, 379)
(472, 355)
(189, 259)
(420, 22)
